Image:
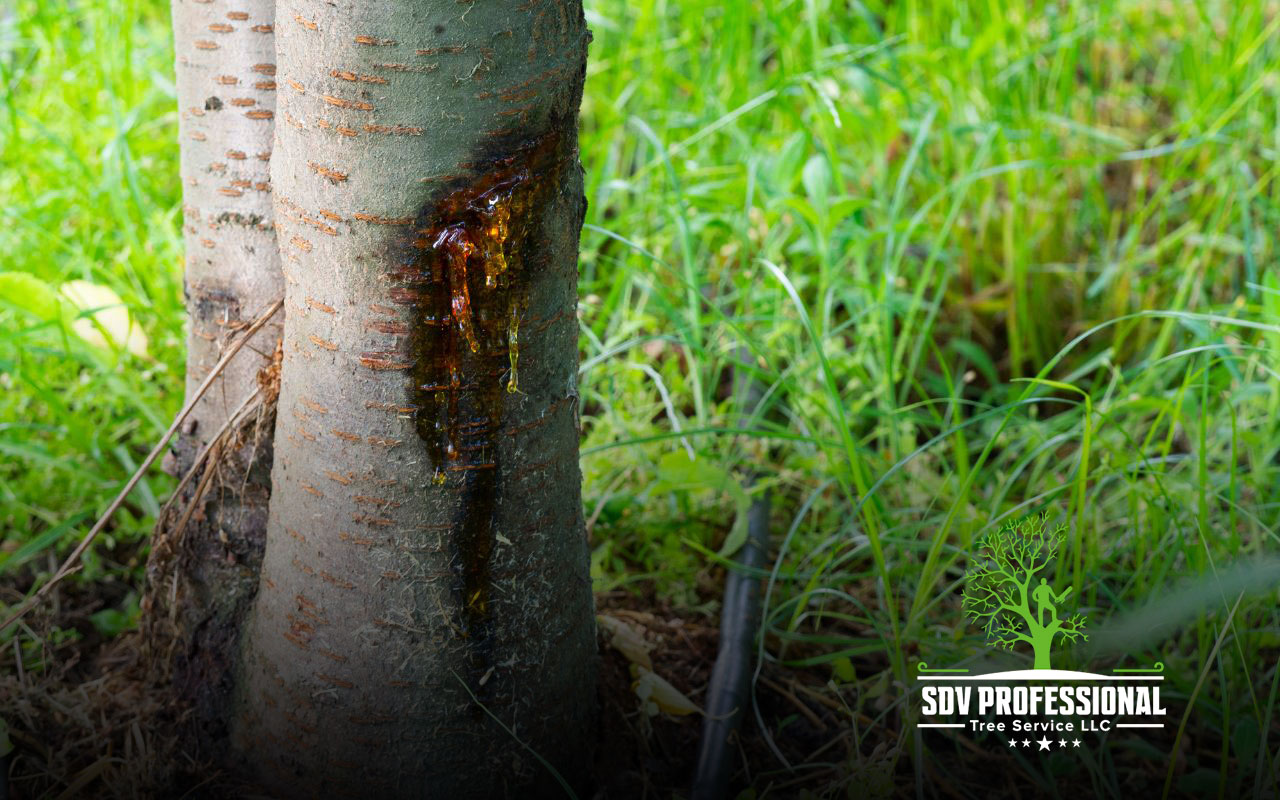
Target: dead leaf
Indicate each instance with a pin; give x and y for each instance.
(658, 695)
(626, 640)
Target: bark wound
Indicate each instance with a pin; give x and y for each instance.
(465, 277)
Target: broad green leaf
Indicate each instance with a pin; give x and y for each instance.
(843, 669)
(737, 534)
(678, 472)
(30, 294)
(817, 180)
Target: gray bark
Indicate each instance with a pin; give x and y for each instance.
(426, 561)
(201, 579)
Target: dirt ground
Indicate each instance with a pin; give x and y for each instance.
(85, 722)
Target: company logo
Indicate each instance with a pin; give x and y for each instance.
(1008, 594)
(1003, 595)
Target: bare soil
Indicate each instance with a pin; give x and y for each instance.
(86, 721)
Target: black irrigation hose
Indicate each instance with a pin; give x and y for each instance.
(731, 676)
(726, 697)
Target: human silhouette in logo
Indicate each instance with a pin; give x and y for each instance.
(1045, 597)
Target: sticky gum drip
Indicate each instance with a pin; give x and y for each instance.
(468, 285)
(457, 248)
(473, 227)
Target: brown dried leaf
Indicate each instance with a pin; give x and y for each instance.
(654, 691)
(626, 640)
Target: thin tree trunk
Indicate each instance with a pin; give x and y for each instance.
(202, 576)
(426, 562)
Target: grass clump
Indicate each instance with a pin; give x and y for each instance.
(986, 260)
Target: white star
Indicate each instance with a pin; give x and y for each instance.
(1075, 742)
(1013, 742)
(1043, 742)
(1026, 742)
(1062, 743)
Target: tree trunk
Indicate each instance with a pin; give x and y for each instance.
(202, 575)
(426, 564)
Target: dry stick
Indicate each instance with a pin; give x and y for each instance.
(69, 564)
(788, 695)
(201, 488)
(232, 420)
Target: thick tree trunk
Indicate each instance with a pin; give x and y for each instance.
(202, 576)
(426, 562)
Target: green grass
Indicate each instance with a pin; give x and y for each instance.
(90, 187)
(985, 258)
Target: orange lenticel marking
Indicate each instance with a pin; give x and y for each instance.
(395, 129)
(332, 174)
(344, 103)
(344, 75)
(313, 405)
(382, 361)
(336, 581)
(380, 220)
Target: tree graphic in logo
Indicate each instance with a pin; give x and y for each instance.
(1005, 595)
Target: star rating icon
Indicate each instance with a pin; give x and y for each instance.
(1045, 743)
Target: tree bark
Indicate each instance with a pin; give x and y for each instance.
(202, 576)
(426, 563)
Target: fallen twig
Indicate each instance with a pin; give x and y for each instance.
(203, 456)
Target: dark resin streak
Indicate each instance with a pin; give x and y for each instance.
(466, 281)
